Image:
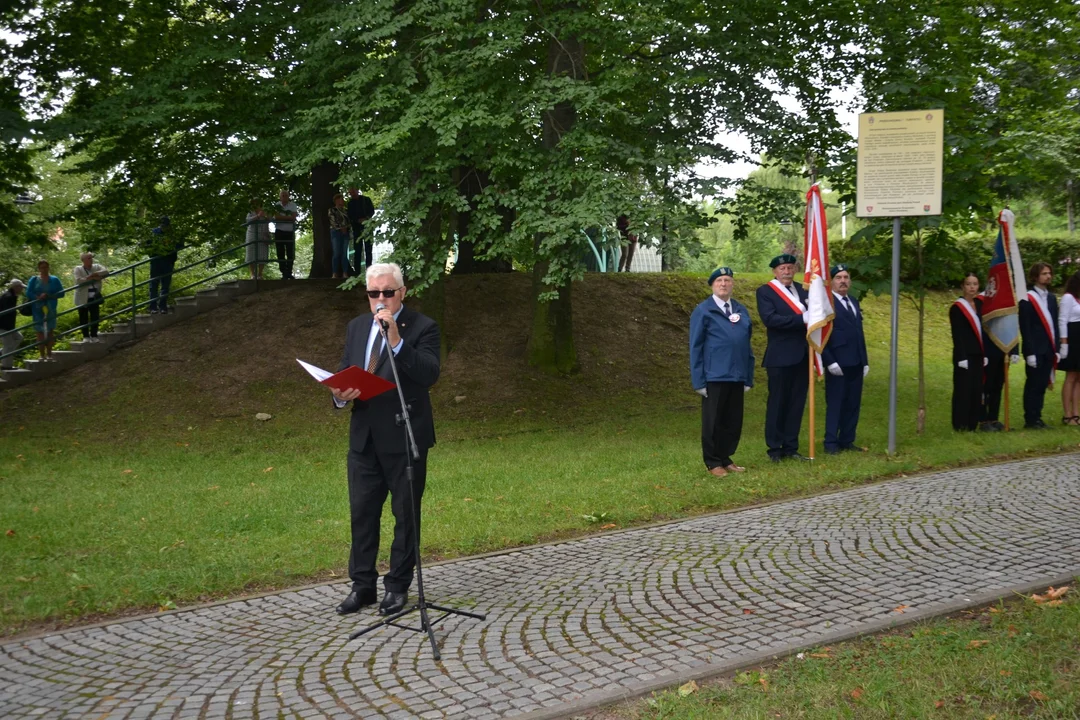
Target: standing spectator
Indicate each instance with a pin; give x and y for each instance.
(257, 239)
(8, 319)
(164, 247)
(628, 244)
(845, 358)
(339, 238)
(1069, 327)
(88, 294)
(721, 370)
(285, 234)
(1038, 333)
(361, 210)
(45, 290)
(968, 356)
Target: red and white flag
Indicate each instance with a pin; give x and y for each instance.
(817, 281)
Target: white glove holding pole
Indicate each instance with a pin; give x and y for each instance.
(963, 365)
(834, 369)
(806, 317)
(1064, 352)
(703, 392)
(865, 369)
(746, 388)
(986, 361)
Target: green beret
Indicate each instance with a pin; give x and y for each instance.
(782, 259)
(720, 272)
(838, 268)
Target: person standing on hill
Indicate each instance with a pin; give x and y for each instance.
(89, 294)
(163, 248)
(377, 447)
(628, 244)
(45, 291)
(10, 340)
(1038, 333)
(1069, 327)
(969, 358)
(845, 359)
(782, 307)
(285, 234)
(360, 210)
(721, 370)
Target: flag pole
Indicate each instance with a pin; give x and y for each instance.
(1007, 359)
(811, 364)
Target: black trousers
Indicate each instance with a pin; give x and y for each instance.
(784, 410)
(993, 385)
(1035, 384)
(721, 422)
(361, 248)
(372, 475)
(967, 394)
(285, 242)
(843, 399)
(89, 313)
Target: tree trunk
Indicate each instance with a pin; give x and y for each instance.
(1069, 206)
(323, 177)
(471, 183)
(551, 342)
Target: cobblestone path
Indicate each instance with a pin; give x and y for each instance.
(580, 619)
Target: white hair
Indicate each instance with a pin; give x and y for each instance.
(378, 269)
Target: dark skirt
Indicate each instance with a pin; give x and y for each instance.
(1072, 362)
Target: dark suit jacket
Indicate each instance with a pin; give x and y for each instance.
(784, 328)
(847, 343)
(1033, 335)
(965, 342)
(418, 366)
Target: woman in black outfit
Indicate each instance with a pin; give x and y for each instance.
(968, 357)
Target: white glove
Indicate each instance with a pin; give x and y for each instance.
(865, 369)
(962, 365)
(1014, 359)
(703, 392)
(1064, 353)
(806, 317)
(1057, 357)
(1031, 361)
(834, 369)
(986, 361)
(746, 388)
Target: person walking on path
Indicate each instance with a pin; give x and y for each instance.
(45, 291)
(845, 359)
(164, 248)
(256, 239)
(721, 370)
(89, 294)
(285, 234)
(10, 338)
(361, 210)
(1038, 334)
(1069, 327)
(339, 238)
(377, 446)
(781, 305)
(968, 357)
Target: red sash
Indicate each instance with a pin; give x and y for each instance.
(971, 321)
(1033, 298)
(786, 297)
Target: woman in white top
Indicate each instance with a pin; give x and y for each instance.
(1069, 327)
(89, 294)
(257, 250)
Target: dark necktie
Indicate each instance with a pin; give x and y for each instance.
(847, 304)
(727, 310)
(374, 359)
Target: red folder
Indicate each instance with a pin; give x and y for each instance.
(353, 378)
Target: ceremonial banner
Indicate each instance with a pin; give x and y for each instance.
(1005, 285)
(816, 280)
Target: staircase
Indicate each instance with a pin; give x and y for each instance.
(123, 334)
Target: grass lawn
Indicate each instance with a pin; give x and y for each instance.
(1013, 660)
(144, 480)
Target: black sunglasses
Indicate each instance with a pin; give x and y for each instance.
(385, 293)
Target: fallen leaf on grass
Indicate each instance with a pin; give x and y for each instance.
(1036, 695)
(214, 487)
(1050, 595)
(269, 469)
(1005, 673)
(856, 693)
(608, 526)
(688, 689)
(827, 656)
(977, 643)
(127, 472)
(10, 533)
(939, 704)
(1012, 631)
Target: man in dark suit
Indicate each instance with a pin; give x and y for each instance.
(781, 305)
(846, 363)
(377, 445)
(360, 211)
(1038, 334)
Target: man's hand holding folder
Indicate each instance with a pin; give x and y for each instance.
(352, 383)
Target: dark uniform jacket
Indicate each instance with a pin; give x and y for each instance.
(1033, 335)
(784, 328)
(847, 343)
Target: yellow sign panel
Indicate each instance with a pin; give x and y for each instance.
(899, 165)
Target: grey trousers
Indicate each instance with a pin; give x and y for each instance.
(12, 339)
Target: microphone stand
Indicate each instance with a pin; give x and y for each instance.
(412, 452)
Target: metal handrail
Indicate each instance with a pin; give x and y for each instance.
(134, 305)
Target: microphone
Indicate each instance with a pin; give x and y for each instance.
(379, 308)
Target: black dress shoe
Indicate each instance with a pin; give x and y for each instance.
(393, 602)
(1037, 425)
(776, 458)
(797, 456)
(833, 451)
(998, 425)
(355, 601)
(853, 448)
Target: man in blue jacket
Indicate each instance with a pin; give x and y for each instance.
(846, 363)
(721, 370)
(781, 304)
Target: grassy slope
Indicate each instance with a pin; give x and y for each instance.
(144, 479)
